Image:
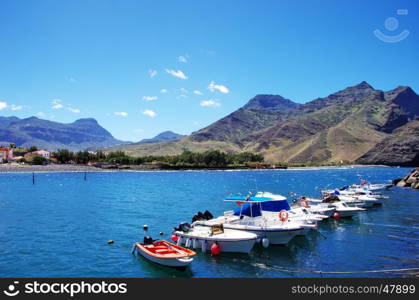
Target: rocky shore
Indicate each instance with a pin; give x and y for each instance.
(410, 180)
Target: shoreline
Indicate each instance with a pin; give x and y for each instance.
(92, 169)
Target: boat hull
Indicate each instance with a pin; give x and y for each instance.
(275, 237)
(174, 263)
(205, 243)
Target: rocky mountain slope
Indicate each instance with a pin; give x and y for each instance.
(351, 125)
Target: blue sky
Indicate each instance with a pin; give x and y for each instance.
(142, 67)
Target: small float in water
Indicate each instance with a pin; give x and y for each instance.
(164, 253)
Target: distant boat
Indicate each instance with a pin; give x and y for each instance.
(164, 253)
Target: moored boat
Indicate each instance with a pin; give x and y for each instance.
(205, 237)
(164, 253)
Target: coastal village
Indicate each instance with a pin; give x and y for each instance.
(9, 153)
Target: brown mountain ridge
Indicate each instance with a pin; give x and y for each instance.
(354, 125)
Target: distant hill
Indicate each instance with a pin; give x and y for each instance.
(342, 127)
(162, 137)
(82, 134)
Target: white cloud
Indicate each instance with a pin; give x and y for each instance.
(163, 91)
(196, 92)
(16, 107)
(73, 110)
(152, 73)
(56, 104)
(150, 113)
(183, 59)
(210, 103)
(121, 114)
(3, 105)
(150, 98)
(177, 74)
(218, 87)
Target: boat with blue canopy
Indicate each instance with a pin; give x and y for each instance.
(249, 217)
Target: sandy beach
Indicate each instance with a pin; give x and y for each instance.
(17, 168)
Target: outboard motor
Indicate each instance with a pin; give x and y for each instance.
(148, 240)
(208, 215)
(184, 226)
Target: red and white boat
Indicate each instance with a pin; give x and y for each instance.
(164, 253)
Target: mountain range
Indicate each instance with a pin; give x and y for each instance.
(44, 134)
(358, 124)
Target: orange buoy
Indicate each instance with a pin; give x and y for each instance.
(336, 216)
(174, 238)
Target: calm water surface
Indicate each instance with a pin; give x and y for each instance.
(60, 226)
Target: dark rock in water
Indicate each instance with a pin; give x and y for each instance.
(410, 180)
(396, 181)
(110, 242)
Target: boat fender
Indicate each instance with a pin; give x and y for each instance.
(283, 215)
(179, 241)
(215, 249)
(188, 243)
(204, 245)
(336, 216)
(194, 243)
(174, 238)
(265, 242)
(304, 203)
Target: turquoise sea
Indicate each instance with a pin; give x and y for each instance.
(59, 227)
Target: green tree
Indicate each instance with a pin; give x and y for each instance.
(32, 149)
(64, 156)
(39, 160)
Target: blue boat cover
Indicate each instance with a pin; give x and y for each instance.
(254, 209)
(248, 209)
(244, 198)
(275, 206)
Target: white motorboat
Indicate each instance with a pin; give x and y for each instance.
(204, 237)
(342, 208)
(250, 217)
(302, 210)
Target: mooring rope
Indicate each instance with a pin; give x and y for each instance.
(334, 272)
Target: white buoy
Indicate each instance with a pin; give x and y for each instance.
(188, 243)
(194, 243)
(179, 241)
(203, 246)
(265, 243)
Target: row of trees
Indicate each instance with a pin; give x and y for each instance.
(211, 158)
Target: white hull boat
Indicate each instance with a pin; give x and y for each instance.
(204, 237)
(277, 233)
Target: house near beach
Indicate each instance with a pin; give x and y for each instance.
(44, 153)
(6, 152)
